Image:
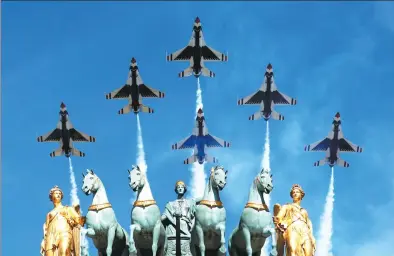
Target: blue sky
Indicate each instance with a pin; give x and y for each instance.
(330, 56)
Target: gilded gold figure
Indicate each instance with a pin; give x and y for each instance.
(61, 228)
(294, 228)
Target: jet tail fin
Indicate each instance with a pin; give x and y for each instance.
(146, 109)
(187, 72)
(76, 152)
(125, 110)
(342, 163)
(57, 152)
(206, 72)
(320, 162)
(211, 159)
(275, 115)
(256, 116)
(190, 160)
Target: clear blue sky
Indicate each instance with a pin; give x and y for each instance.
(330, 56)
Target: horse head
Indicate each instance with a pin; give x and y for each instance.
(91, 182)
(136, 178)
(218, 177)
(264, 181)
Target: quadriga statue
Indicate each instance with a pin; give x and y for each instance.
(179, 219)
(61, 228)
(294, 228)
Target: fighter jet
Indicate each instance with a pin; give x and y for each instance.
(197, 52)
(65, 134)
(134, 90)
(200, 140)
(268, 96)
(333, 144)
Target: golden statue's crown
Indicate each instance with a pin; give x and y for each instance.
(180, 182)
(55, 188)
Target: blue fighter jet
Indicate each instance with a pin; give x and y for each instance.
(200, 140)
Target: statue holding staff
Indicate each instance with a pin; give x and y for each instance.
(179, 219)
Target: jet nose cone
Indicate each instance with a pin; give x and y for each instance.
(197, 20)
(62, 105)
(133, 60)
(269, 66)
(337, 115)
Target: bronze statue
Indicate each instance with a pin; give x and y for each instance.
(294, 228)
(61, 228)
(179, 219)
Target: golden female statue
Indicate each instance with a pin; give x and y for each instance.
(294, 228)
(61, 228)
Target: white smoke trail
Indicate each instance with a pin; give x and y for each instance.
(265, 164)
(140, 148)
(198, 174)
(74, 189)
(140, 155)
(324, 244)
(265, 161)
(199, 96)
(75, 201)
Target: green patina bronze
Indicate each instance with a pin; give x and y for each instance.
(208, 237)
(147, 234)
(178, 219)
(107, 234)
(256, 223)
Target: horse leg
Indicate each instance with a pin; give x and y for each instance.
(110, 239)
(200, 234)
(90, 232)
(132, 249)
(248, 243)
(222, 228)
(231, 250)
(272, 232)
(155, 237)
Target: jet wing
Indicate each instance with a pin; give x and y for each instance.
(321, 145)
(215, 142)
(347, 146)
(210, 54)
(52, 136)
(148, 92)
(183, 54)
(253, 99)
(188, 142)
(80, 136)
(121, 93)
(282, 99)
